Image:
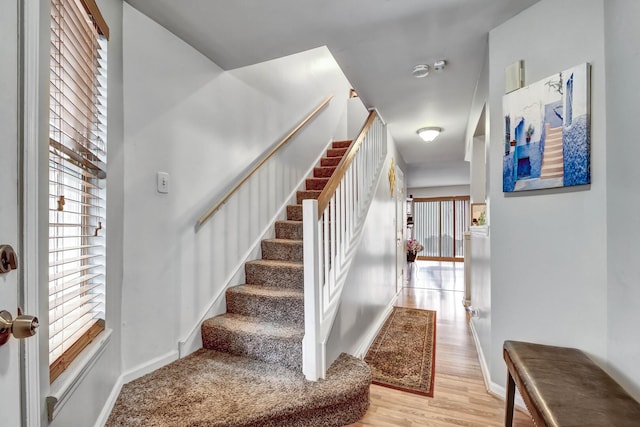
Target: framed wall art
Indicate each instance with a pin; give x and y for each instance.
(547, 133)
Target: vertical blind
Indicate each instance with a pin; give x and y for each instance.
(77, 178)
(439, 225)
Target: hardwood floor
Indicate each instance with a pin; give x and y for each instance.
(460, 397)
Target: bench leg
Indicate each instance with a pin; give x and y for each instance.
(511, 391)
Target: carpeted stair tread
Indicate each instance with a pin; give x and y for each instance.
(289, 230)
(341, 144)
(267, 303)
(316, 183)
(330, 161)
(336, 152)
(282, 249)
(275, 342)
(294, 212)
(210, 388)
(255, 326)
(307, 194)
(323, 171)
(266, 272)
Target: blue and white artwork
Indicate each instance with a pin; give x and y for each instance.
(547, 141)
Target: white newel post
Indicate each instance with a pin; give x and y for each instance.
(312, 351)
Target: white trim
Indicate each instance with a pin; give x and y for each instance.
(64, 386)
(371, 334)
(109, 403)
(484, 367)
(30, 123)
(150, 366)
(492, 387)
(193, 340)
(131, 375)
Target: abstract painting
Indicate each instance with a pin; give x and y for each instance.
(546, 133)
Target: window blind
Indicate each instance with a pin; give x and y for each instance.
(77, 179)
(440, 224)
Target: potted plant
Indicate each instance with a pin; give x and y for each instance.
(529, 133)
(413, 247)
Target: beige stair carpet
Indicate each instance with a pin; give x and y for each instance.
(250, 370)
(210, 388)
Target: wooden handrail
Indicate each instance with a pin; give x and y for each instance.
(266, 157)
(341, 169)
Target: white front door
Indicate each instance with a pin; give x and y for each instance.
(10, 409)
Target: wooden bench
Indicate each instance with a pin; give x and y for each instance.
(563, 387)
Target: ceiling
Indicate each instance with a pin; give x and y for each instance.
(375, 42)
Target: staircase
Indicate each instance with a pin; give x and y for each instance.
(264, 325)
(265, 316)
(553, 157)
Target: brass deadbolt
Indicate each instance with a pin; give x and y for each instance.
(8, 259)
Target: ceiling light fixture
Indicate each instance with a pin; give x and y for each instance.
(420, 71)
(428, 134)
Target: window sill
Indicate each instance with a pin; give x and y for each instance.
(64, 386)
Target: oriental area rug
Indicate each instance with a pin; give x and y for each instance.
(402, 355)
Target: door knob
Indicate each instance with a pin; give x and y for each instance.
(8, 259)
(23, 326)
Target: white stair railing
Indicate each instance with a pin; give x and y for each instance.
(332, 226)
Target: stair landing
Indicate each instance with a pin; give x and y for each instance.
(210, 388)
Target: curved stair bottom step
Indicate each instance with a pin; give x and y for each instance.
(209, 388)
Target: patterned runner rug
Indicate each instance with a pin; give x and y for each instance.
(402, 355)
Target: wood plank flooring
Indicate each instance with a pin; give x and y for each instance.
(460, 397)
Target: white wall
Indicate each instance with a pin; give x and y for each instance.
(548, 248)
(480, 241)
(371, 283)
(356, 116)
(448, 190)
(184, 115)
(623, 199)
(478, 185)
(439, 174)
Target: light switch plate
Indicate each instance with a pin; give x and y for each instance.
(163, 182)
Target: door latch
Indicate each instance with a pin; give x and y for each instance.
(23, 326)
(8, 259)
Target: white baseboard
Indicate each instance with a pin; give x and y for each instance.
(110, 403)
(149, 366)
(492, 387)
(131, 375)
(366, 342)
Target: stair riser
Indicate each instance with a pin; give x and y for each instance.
(309, 194)
(287, 230)
(323, 172)
(282, 251)
(330, 161)
(270, 309)
(336, 152)
(276, 276)
(340, 144)
(316, 183)
(287, 352)
(294, 212)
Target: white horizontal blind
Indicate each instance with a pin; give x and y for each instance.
(77, 178)
(440, 224)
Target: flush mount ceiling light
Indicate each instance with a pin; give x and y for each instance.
(428, 134)
(420, 71)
